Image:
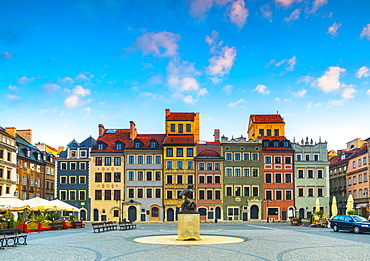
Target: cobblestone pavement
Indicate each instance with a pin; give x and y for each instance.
(263, 242)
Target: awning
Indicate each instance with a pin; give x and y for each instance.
(362, 205)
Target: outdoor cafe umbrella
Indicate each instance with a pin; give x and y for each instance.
(317, 207)
(334, 209)
(40, 203)
(9, 202)
(349, 205)
(62, 206)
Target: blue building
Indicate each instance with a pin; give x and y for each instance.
(73, 167)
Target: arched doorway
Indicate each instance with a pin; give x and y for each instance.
(96, 215)
(254, 212)
(202, 213)
(83, 214)
(132, 213)
(154, 213)
(301, 212)
(218, 212)
(170, 215)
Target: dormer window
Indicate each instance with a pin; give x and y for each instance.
(265, 143)
(100, 146)
(137, 144)
(73, 154)
(119, 146)
(28, 153)
(153, 144)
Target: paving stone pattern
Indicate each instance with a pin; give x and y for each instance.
(264, 242)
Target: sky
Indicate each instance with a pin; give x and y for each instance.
(68, 66)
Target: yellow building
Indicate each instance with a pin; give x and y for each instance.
(182, 133)
(265, 125)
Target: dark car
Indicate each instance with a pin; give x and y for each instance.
(353, 223)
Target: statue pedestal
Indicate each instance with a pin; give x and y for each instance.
(188, 227)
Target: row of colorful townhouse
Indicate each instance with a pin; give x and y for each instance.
(349, 175)
(26, 170)
(139, 177)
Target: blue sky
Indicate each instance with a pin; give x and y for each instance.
(67, 66)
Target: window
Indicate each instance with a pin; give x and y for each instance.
(217, 179)
(169, 179)
(209, 179)
(140, 176)
(169, 194)
(149, 193)
(246, 191)
(38, 182)
(354, 180)
(158, 176)
(72, 180)
(179, 165)
(268, 195)
(131, 193)
(310, 192)
(72, 195)
(140, 193)
(237, 156)
(153, 144)
(255, 156)
(82, 180)
(209, 166)
(201, 166)
(217, 166)
(82, 165)
(31, 181)
(288, 160)
(237, 192)
(173, 128)
(237, 172)
(190, 165)
(300, 192)
(217, 194)
(73, 166)
(149, 159)
(353, 164)
(100, 146)
(158, 193)
(365, 177)
(228, 156)
(131, 175)
(245, 156)
(268, 178)
(278, 195)
(255, 173)
(137, 144)
(201, 194)
(131, 159)
(63, 180)
(229, 172)
(307, 157)
(316, 157)
(98, 194)
(158, 160)
(246, 173)
(310, 174)
(181, 128)
(140, 159)
(319, 174)
(277, 177)
(229, 192)
(360, 178)
(179, 152)
(179, 179)
(261, 132)
(300, 173)
(288, 178)
(169, 164)
(288, 195)
(83, 154)
(299, 157)
(107, 177)
(149, 176)
(190, 179)
(115, 213)
(255, 191)
(188, 128)
(364, 160)
(276, 132)
(359, 162)
(319, 192)
(98, 161)
(169, 152)
(277, 160)
(267, 159)
(63, 195)
(349, 181)
(117, 161)
(98, 177)
(119, 146)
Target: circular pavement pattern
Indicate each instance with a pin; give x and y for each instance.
(204, 240)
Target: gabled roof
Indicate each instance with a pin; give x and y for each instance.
(145, 139)
(209, 153)
(180, 139)
(110, 139)
(89, 142)
(267, 118)
(349, 154)
(181, 116)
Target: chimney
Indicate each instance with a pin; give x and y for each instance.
(133, 131)
(101, 129)
(217, 134)
(168, 112)
(60, 149)
(26, 134)
(11, 130)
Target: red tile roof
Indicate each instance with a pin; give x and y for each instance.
(110, 139)
(349, 154)
(181, 116)
(267, 118)
(271, 138)
(179, 139)
(145, 139)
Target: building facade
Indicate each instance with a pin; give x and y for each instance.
(8, 162)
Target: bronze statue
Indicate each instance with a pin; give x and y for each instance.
(188, 207)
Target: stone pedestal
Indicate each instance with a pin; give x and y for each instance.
(188, 227)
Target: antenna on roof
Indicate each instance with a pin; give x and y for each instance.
(277, 112)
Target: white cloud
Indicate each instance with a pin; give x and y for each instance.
(333, 29)
(13, 88)
(48, 111)
(364, 71)
(348, 92)
(202, 92)
(299, 94)
(234, 104)
(24, 80)
(188, 99)
(266, 12)
(289, 64)
(12, 97)
(221, 64)
(238, 13)
(227, 89)
(262, 89)
(67, 80)
(6, 55)
(277, 99)
(293, 16)
(317, 4)
(310, 105)
(82, 76)
(285, 2)
(368, 92)
(365, 32)
(180, 76)
(159, 44)
(147, 97)
(51, 87)
(329, 82)
(306, 79)
(75, 99)
(335, 103)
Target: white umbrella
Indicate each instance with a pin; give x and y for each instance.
(349, 205)
(334, 208)
(62, 206)
(9, 202)
(40, 203)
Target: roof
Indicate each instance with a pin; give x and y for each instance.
(349, 154)
(180, 139)
(181, 116)
(145, 139)
(267, 118)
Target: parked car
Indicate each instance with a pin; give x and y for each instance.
(353, 223)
